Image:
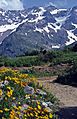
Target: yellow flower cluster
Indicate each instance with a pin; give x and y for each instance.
(12, 114)
(3, 70)
(9, 92)
(13, 97)
(37, 113)
(17, 77)
(31, 113)
(1, 92)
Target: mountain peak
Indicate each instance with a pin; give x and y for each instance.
(47, 27)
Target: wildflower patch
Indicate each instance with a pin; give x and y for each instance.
(16, 99)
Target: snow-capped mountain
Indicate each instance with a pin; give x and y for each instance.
(9, 21)
(27, 30)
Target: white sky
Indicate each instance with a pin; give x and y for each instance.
(11, 4)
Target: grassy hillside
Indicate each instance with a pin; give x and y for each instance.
(52, 57)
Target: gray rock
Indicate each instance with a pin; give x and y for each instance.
(38, 91)
(45, 104)
(49, 104)
(29, 90)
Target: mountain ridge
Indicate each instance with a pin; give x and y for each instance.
(27, 30)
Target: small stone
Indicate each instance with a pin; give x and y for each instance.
(49, 104)
(40, 92)
(6, 82)
(45, 104)
(29, 90)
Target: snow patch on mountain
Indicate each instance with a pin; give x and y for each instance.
(6, 27)
(38, 14)
(46, 29)
(55, 46)
(72, 38)
(54, 26)
(37, 19)
(74, 25)
(38, 29)
(61, 20)
(57, 11)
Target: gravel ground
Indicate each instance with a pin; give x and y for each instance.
(67, 96)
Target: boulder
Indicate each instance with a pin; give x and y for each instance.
(29, 90)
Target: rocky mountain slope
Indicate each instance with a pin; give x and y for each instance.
(35, 28)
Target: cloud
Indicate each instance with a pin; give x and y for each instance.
(11, 4)
(53, 4)
(61, 3)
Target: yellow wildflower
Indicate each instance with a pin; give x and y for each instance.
(1, 111)
(50, 116)
(12, 114)
(23, 84)
(13, 98)
(31, 114)
(19, 103)
(25, 115)
(39, 107)
(9, 87)
(18, 113)
(9, 93)
(15, 107)
(5, 98)
(16, 118)
(1, 92)
(6, 109)
(19, 107)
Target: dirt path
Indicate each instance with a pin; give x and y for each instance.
(67, 96)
